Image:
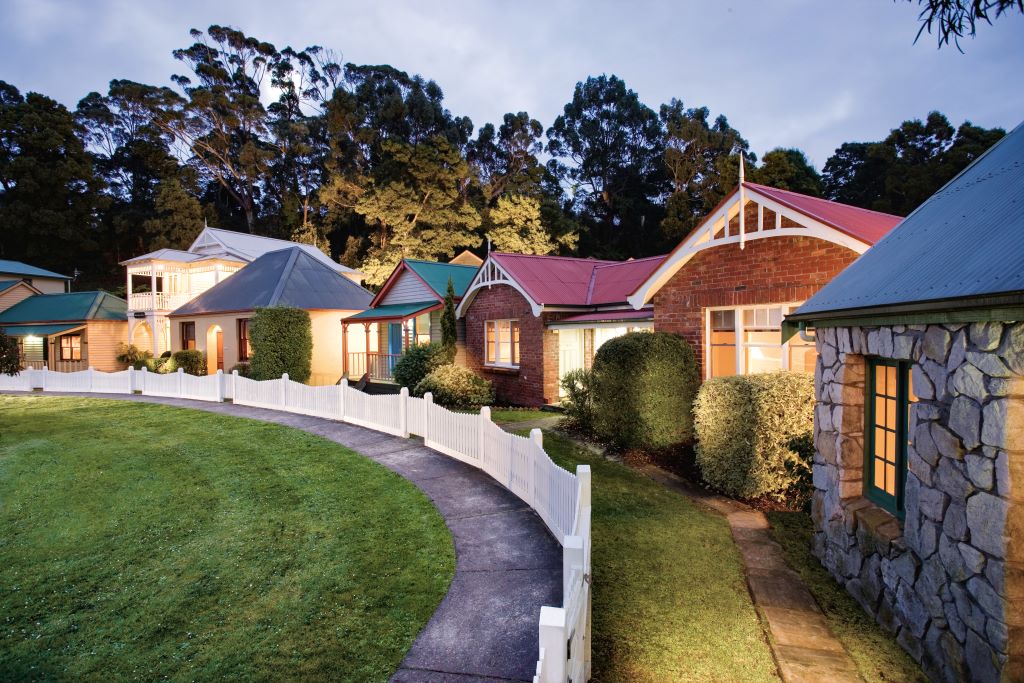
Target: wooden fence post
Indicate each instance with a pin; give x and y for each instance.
(284, 389)
(220, 386)
(428, 404)
(583, 483)
(234, 386)
(131, 380)
(91, 375)
(181, 380)
(537, 437)
(403, 411)
(572, 559)
(553, 643)
(145, 372)
(483, 424)
(344, 391)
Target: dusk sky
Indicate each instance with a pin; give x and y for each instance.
(803, 73)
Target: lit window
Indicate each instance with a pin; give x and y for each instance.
(188, 336)
(762, 350)
(887, 417)
(71, 347)
(501, 342)
(244, 346)
(723, 343)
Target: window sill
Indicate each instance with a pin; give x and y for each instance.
(875, 526)
(502, 369)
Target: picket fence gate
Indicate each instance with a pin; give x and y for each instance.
(559, 497)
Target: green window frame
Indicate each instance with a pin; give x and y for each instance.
(888, 396)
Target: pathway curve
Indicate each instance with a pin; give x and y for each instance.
(507, 565)
(804, 646)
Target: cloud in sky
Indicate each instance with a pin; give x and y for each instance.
(800, 73)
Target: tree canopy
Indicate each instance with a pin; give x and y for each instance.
(367, 163)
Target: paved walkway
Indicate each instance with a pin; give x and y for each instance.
(507, 565)
(804, 646)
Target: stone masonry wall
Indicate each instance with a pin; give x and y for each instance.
(948, 580)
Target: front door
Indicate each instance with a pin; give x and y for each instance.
(570, 353)
(220, 349)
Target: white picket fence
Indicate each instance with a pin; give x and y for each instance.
(560, 498)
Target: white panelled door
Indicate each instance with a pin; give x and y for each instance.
(570, 353)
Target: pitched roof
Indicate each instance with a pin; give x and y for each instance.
(395, 311)
(436, 275)
(864, 224)
(466, 258)
(24, 269)
(73, 307)
(288, 277)
(965, 241)
(566, 281)
(609, 316)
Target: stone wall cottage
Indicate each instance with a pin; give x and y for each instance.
(919, 426)
(727, 286)
(529, 320)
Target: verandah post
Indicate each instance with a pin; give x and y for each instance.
(403, 411)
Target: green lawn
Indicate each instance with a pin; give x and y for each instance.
(875, 652)
(145, 542)
(512, 415)
(670, 602)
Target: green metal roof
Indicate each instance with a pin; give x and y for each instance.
(19, 268)
(73, 307)
(436, 275)
(38, 330)
(393, 311)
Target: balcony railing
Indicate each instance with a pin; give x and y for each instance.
(159, 301)
(380, 366)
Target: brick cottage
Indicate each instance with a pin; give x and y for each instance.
(529, 320)
(727, 286)
(919, 424)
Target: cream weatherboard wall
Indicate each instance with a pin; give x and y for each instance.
(14, 294)
(45, 285)
(327, 341)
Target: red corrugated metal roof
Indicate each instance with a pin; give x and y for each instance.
(565, 281)
(864, 224)
(643, 314)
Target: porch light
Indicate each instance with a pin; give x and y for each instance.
(31, 338)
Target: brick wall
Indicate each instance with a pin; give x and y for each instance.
(536, 381)
(772, 270)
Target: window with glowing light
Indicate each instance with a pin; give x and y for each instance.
(501, 343)
(887, 408)
(747, 340)
(71, 347)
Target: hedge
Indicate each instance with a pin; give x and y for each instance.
(419, 361)
(453, 386)
(282, 341)
(578, 403)
(192, 361)
(644, 384)
(752, 432)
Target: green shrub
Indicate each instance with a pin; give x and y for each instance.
(191, 361)
(282, 341)
(419, 361)
(129, 354)
(578, 403)
(165, 354)
(752, 434)
(643, 388)
(242, 369)
(163, 365)
(456, 387)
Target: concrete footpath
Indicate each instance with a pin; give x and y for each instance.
(507, 564)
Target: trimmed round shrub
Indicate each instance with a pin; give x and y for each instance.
(753, 434)
(282, 341)
(643, 385)
(456, 387)
(578, 403)
(192, 361)
(419, 361)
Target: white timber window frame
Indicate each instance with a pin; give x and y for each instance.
(501, 343)
(740, 328)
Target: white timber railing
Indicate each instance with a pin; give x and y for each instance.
(559, 497)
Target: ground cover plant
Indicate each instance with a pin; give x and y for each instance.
(670, 601)
(203, 547)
